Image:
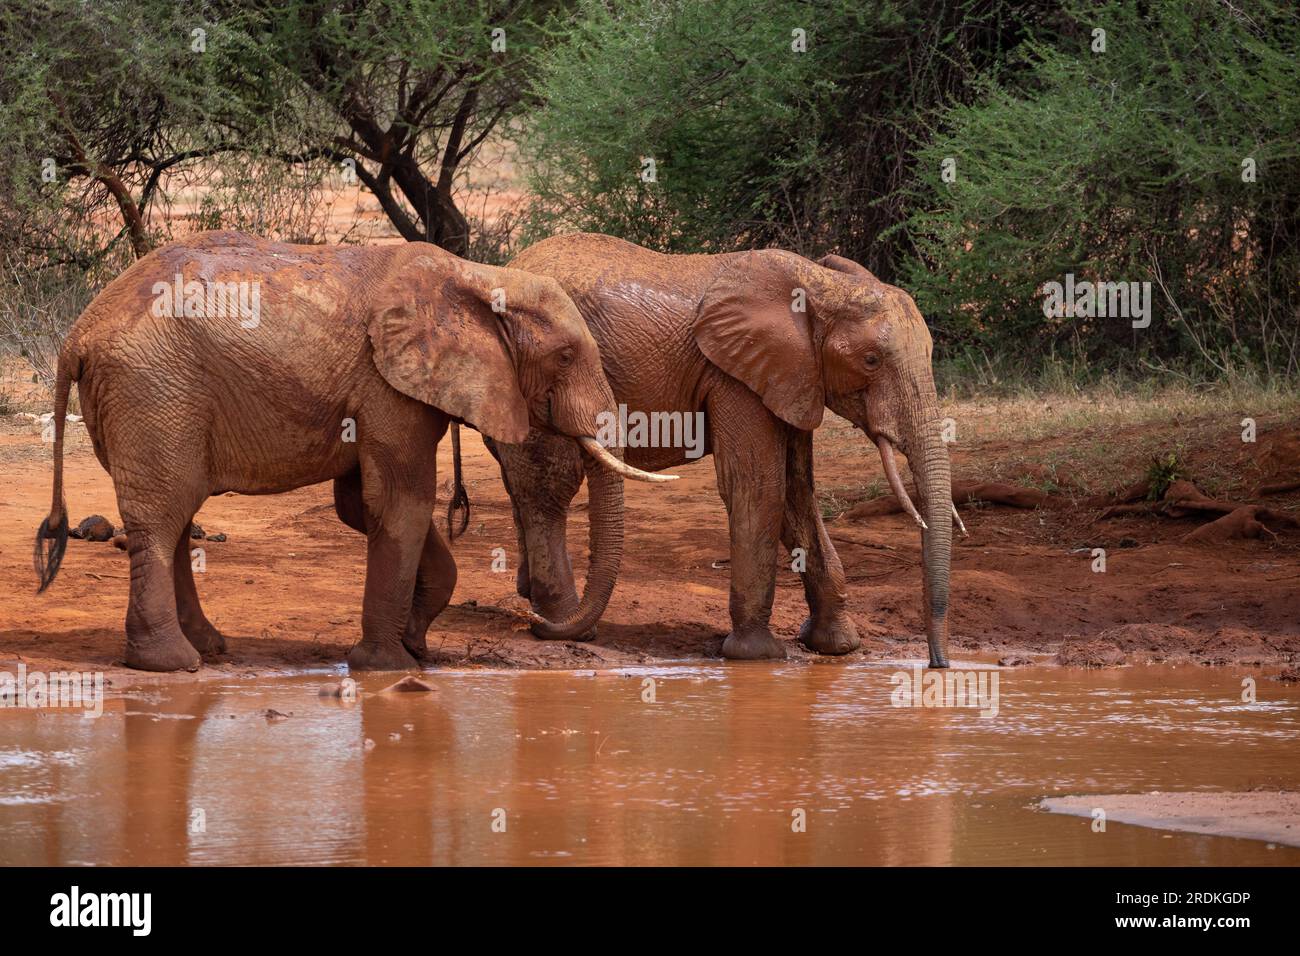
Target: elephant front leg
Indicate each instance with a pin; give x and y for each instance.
(828, 628)
(749, 456)
(552, 591)
(396, 537)
(435, 579)
(434, 583)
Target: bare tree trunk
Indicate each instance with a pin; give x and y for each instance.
(105, 175)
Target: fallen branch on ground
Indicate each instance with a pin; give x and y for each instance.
(967, 492)
(1277, 488)
(1181, 499)
(1184, 500)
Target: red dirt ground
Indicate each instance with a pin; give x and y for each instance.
(286, 584)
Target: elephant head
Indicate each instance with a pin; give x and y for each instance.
(503, 350)
(805, 336)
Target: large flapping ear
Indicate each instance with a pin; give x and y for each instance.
(749, 324)
(437, 339)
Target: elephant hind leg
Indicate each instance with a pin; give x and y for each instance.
(198, 630)
(154, 638)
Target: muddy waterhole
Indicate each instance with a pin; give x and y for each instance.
(690, 764)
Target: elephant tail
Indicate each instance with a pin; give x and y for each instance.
(52, 535)
(459, 496)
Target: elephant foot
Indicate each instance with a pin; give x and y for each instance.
(838, 637)
(415, 640)
(373, 656)
(161, 654)
(753, 644)
(205, 639)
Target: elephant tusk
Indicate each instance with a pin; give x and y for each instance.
(957, 518)
(896, 483)
(599, 452)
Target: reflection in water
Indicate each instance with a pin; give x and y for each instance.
(547, 767)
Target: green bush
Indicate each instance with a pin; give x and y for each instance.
(713, 93)
(1122, 165)
(1126, 165)
(754, 143)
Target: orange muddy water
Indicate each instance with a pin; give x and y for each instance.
(796, 763)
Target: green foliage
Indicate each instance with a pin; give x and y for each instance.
(1161, 473)
(754, 143)
(240, 97)
(93, 87)
(1126, 165)
(711, 92)
(245, 111)
(410, 87)
(1117, 166)
(1123, 165)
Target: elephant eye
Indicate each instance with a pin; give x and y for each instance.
(872, 361)
(565, 358)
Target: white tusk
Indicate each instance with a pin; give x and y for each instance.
(957, 518)
(896, 483)
(599, 452)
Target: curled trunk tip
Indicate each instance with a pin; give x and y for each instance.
(605, 511)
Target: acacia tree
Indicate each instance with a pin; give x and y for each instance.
(118, 95)
(111, 108)
(100, 100)
(407, 90)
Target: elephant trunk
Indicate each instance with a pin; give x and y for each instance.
(930, 467)
(605, 514)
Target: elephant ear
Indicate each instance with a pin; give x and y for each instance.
(747, 325)
(437, 339)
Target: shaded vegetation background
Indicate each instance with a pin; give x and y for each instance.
(1169, 153)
